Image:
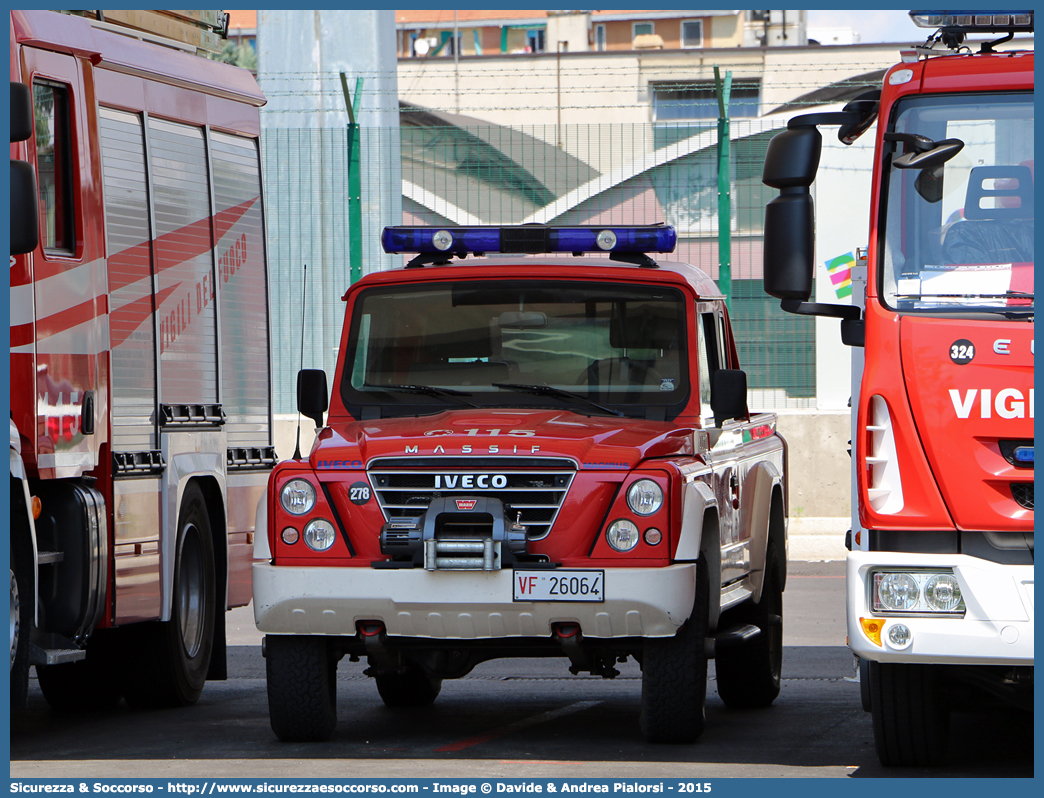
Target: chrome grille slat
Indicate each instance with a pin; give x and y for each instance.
(534, 491)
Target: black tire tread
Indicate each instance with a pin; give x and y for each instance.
(747, 676)
(910, 714)
(157, 674)
(302, 693)
(674, 676)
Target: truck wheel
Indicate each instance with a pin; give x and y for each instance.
(20, 623)
(175, 655)
(414, 688)
(748, 674)
(83, 686)
(302, 688)
(911, 714)
(674, 676)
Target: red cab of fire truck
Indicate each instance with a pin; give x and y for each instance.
(139, 364)
(940, 574)
(528, 456)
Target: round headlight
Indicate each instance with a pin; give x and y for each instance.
(319, 534)
(297, 497)
(653, 536)
(899, 635)
(622, 535)
(290, 536)
(943, 593)
(897, 591)
(443, 240)
(644, 497)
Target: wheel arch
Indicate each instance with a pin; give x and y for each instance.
(764, 520)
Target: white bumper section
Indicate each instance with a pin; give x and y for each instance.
(465, 605)
(997, 628)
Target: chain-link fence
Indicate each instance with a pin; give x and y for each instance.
(489, 174)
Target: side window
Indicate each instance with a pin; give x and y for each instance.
(54, 165)
(709, 361)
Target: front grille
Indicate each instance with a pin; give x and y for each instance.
(531, 487)
(1022, 492)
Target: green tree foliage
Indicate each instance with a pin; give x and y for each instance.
(242, 55)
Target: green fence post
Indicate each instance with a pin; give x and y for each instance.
(354, 183)
(724, 188)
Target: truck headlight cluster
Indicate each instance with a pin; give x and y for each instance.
(644, 497)
(915, 593)
(297, 497)
(319, 534)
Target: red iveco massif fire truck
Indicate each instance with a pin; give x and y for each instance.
(139, 365)
(940, 575)
(528, 456)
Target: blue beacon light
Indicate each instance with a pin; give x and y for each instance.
(528, 239)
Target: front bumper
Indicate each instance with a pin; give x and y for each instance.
(997, 628)
(465, 605)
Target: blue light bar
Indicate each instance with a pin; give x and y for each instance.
(976, 21)
(528, 239)
(1024, 454)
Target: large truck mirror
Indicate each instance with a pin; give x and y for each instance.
(791, 163)
(25, 214)
(312, 395)
(792, 158)
(728, 395)
(21, 112)
(789, 245)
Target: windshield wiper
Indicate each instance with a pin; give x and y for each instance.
(1006, 295)
(427, 390)
(558, 393)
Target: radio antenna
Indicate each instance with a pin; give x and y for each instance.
(304, 293)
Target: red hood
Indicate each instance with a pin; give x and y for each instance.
(593, 442)
(962, 412)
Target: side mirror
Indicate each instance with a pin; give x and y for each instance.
(21, 112)
(312, 395)
(728, 395)
(791, 164)
(25, 213)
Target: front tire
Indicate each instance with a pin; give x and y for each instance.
(748, 674)
(674, 676)
(174, 656)
(911, 714)
(302, 688)
(413, 688)
(20, 622)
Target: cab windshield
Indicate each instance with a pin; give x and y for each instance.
(959, 237)
(518, 343)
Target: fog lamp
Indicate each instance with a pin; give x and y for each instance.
(319, 534)
(622, 535)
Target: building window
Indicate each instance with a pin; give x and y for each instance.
(54, 165)
(692, 33)
(535, 40)
(699, 100)
(641, 29)
(599, 39)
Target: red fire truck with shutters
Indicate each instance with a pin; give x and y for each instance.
(940, 574)
(139, 365)
(527, 457)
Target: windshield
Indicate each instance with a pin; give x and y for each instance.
(488, 344)
(959, 236)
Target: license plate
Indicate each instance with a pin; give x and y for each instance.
(559, 586)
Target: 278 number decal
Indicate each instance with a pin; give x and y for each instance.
(359, 493)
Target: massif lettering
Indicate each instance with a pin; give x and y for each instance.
(1007, 403)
